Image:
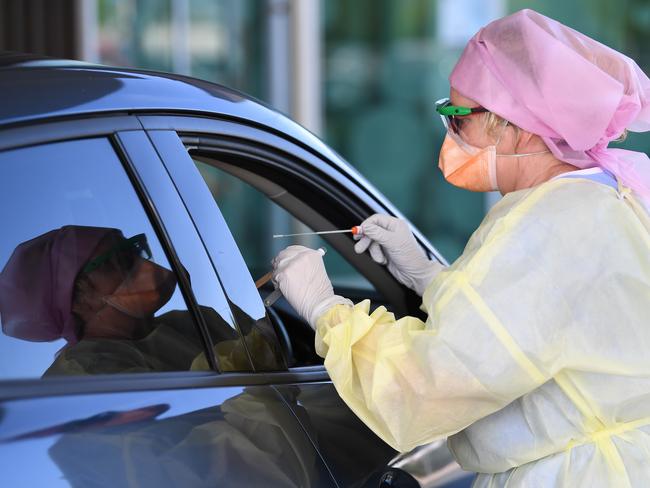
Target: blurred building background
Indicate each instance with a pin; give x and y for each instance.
(362, 74)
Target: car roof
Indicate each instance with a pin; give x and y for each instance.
(37, 89)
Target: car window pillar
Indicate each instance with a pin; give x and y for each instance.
(200, 285)
(245, 301)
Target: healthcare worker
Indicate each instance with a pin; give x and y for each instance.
(535, 356)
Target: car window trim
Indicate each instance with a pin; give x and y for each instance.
(62, 130)
(178, 380)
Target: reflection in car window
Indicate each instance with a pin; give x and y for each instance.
(85, 286)
(226, 437)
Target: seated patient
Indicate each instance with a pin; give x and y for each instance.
(99, 291)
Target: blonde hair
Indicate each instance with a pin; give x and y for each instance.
(493, 122)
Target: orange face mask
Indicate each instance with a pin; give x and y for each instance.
(467, 166)
(147, 287)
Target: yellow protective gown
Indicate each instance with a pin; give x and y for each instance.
(535, 357)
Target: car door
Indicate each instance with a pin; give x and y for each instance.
(223, 155)
(184, 407)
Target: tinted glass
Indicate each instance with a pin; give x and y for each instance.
(86, 287)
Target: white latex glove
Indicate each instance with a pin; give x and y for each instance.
(299, 273)
(391, 242)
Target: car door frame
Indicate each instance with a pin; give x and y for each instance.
(109, 125)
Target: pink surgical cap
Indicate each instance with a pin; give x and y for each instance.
(574, 92)
(37, 283)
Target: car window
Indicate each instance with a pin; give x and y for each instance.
(242, 204)
(85, 286)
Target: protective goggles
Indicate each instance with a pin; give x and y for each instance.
(451, 114)
(125, 252)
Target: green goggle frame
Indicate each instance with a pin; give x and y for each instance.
(136, 244)
(455, 110)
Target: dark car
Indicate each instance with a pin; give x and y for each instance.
(221, 390)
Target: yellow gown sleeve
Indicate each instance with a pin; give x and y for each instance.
(410, 383)
(494, 330)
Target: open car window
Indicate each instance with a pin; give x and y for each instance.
(242, 204)
(300, 186)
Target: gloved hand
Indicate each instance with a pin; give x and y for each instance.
(299, 273)
(391, 242)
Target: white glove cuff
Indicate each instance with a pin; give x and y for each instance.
(323, 307)
(432, 270)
